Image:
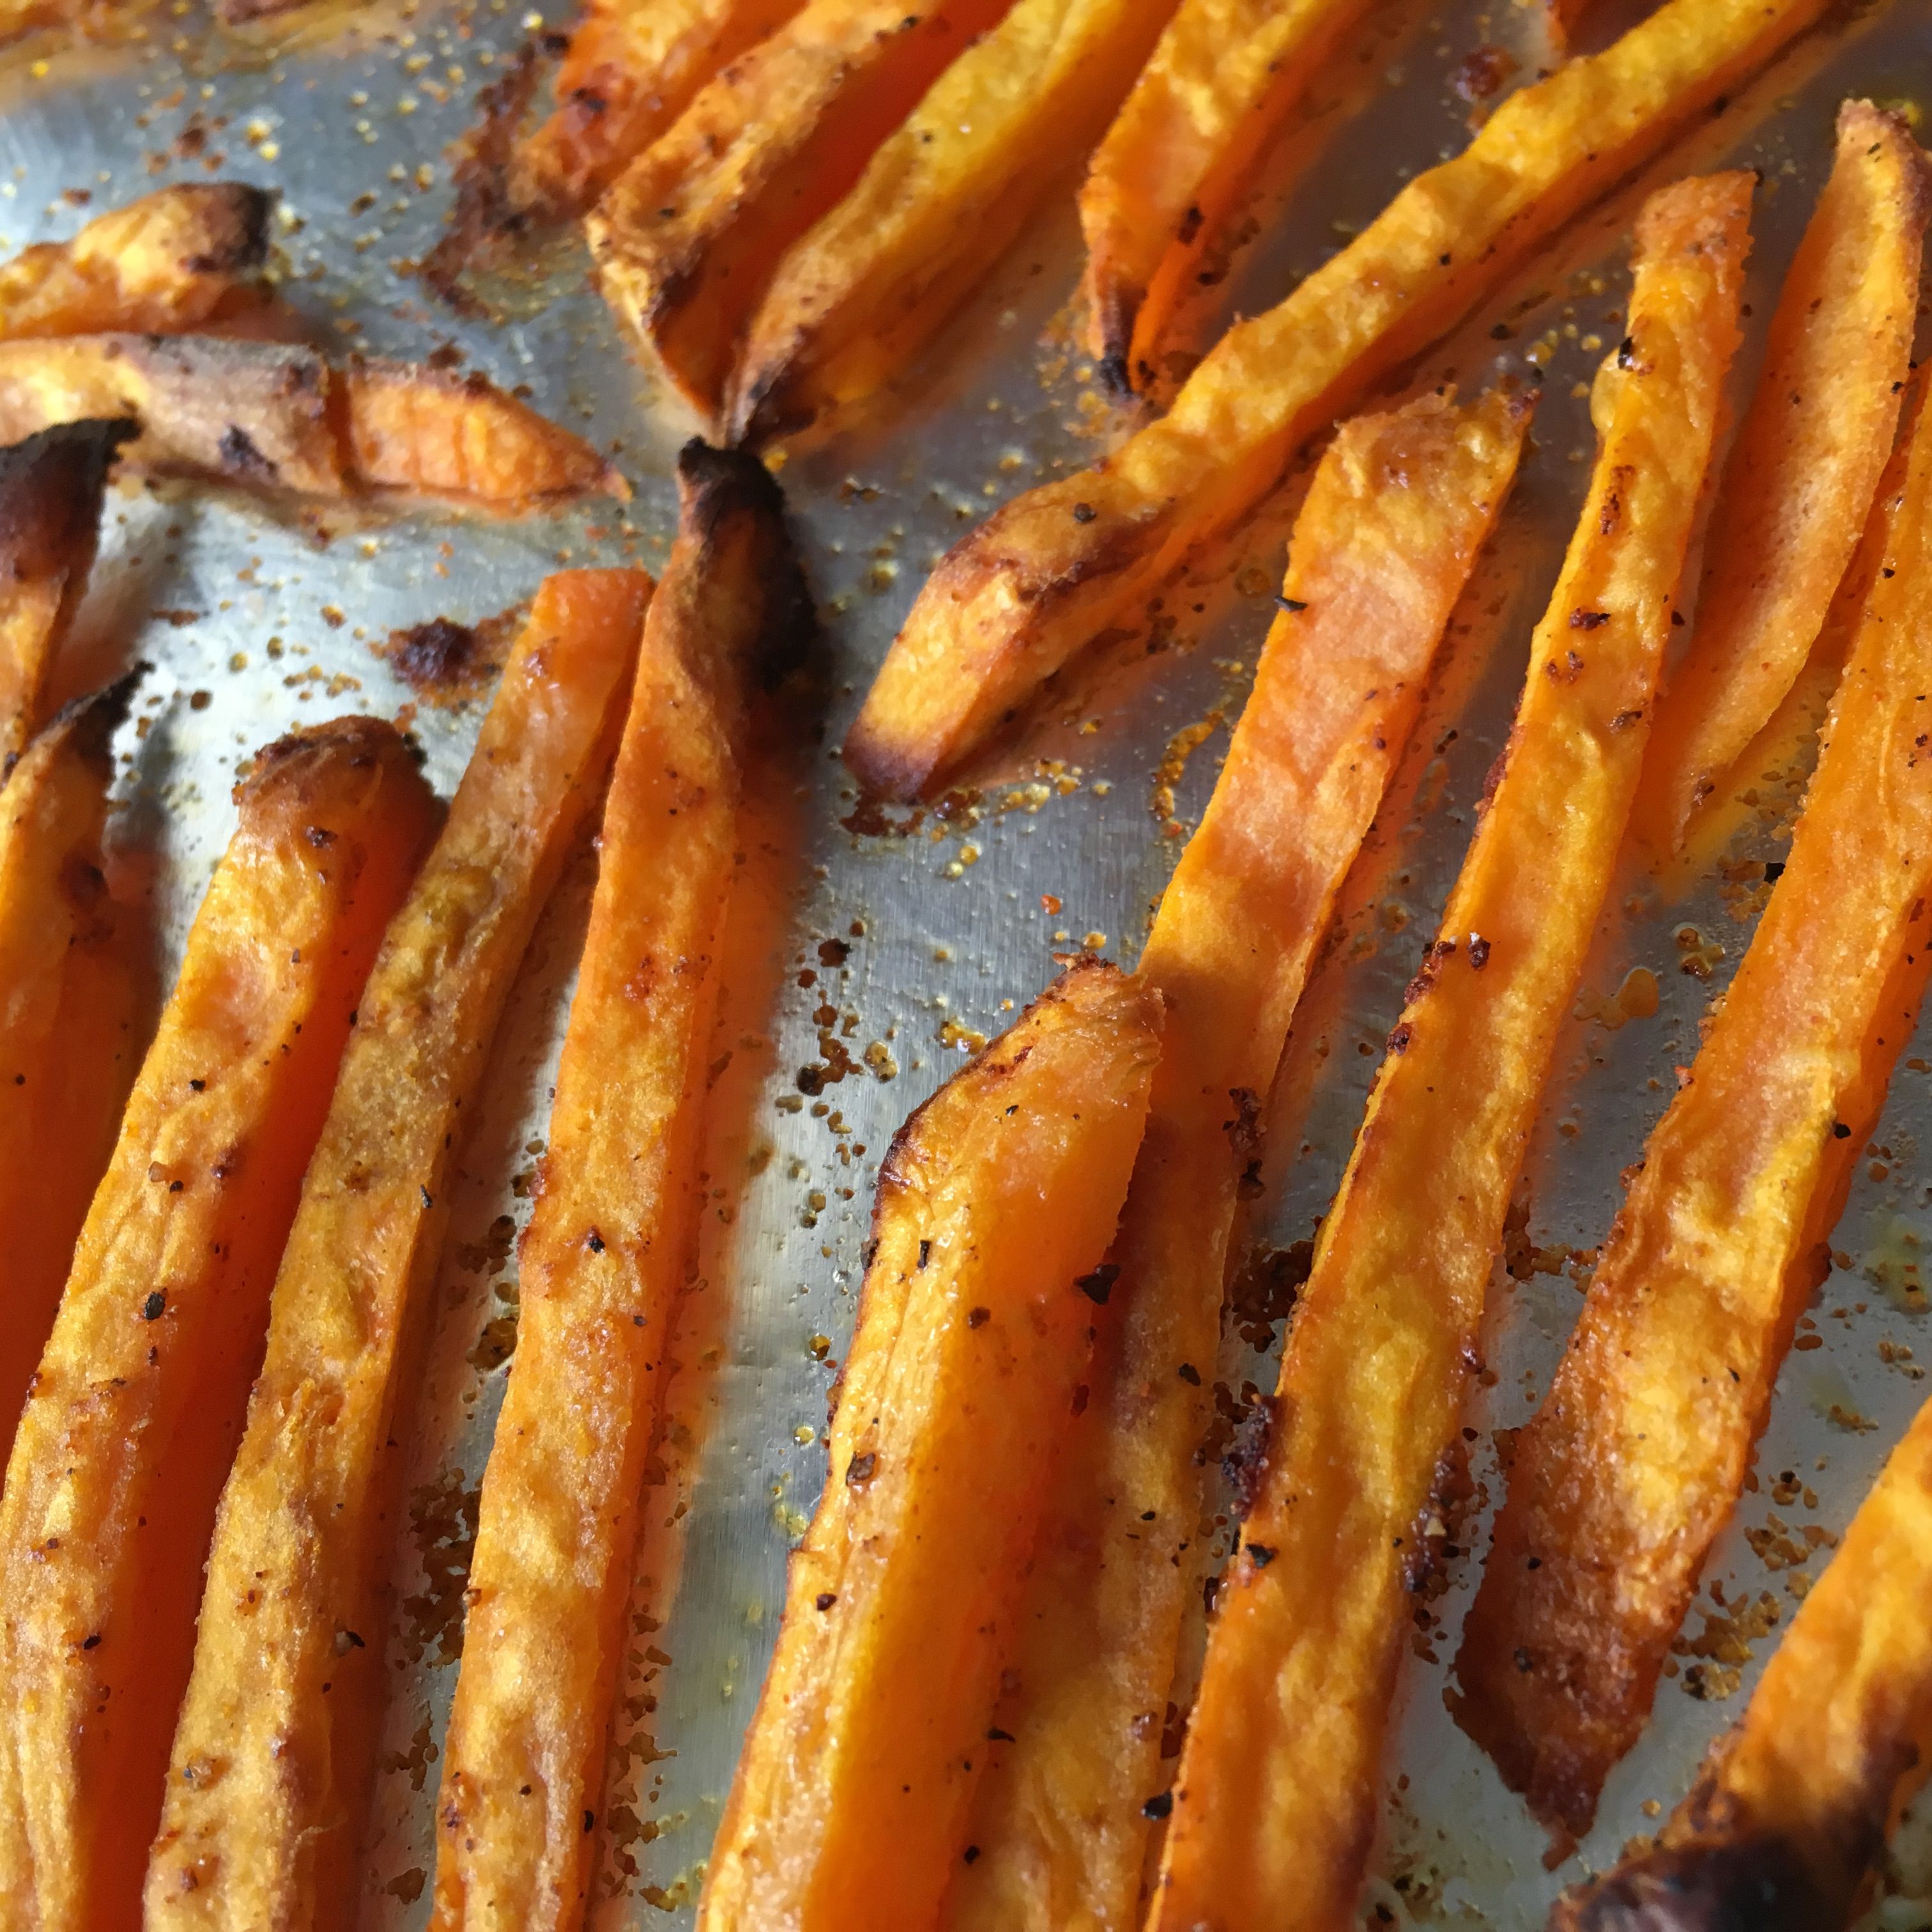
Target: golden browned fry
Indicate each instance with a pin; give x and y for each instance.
(995, 1205)
(1172, 168)
(139, 1399)
(689, 235)
(1635, 1461)
(937, 206)
(175, 260)
(1398, 510)
(302, 1540)
(51, 487)
(1791, 1808)
(1275, 1803)
(1806, 463)
(1012, 602)
(605, 1256)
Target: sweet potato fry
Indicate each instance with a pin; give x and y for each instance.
(1275, 1804)
(51, 489)
(174, 260)
(138, 1402)
(1225, 76)
(1805, 465)
(1790, 1809)
(605, 1257)
(995, 1204)
(688, 237)
(1395, 517)
(1011, 603)
(937, 206)
(300, 1542)
(1635, 1460)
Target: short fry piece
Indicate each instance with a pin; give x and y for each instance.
(997, 1201)
(1225, 76)
(51, 487)
(688, 237)
(1275, 1804)
(1806, 463)
(937, 205)
(174, 260)
(1399, 508)
(139, 1399)
(1635, 1459)
(1011, 603)
(604, 1258)
(301, 1542)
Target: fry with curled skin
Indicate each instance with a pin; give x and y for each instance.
(605, 1257)
(174, 260)
(1805, 465)
(1635, 1461)
(996, 1202)
(52, 487)
(1275, 1803)
(139, 1399)
(690, 234)
(1225, 76)
(1011, 603)
(301, 1540)
(1399, 508)
(937, 206)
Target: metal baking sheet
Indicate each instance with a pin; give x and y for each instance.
(868, 958)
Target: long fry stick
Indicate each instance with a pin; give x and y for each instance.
(851, 1801)
(1806, 463)
(1635, 1459)
(1399, 508)
(278, 1696)
(139, 1399)
(604, 1258)
(1274, 1805)
(1013, 602)
(936, 208)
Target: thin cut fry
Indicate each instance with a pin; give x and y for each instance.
(1172, 168)
(995, 1204)
(1791, 1808)
(66, 1022)
(1274, 1807)
(139, 1399)
(936, 208)
(1011, 603)
(1636, 1459)
(605, 1257)
(301, 1540)
(174, 260)
(1806, 463)
(688, 237)
(1395, 517)
(51, 489)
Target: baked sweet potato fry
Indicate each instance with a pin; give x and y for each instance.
(1010, 604)
(688, 236)
(1635, 1459)
(174, 260)
(1225, 76)
(1805, 465)
(996, 1203)
(51, 487)
(1790, 1809)
(605, 1257)
(937, 205)
(300, 1542)
(138, 1402)
(1274, 1806)
(1399, 508)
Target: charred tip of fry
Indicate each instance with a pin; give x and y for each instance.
(95, 717)
(292, 759)
(237, 218)
(1726, 1885)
